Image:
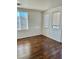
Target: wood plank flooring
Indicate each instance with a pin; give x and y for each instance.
(38, 47)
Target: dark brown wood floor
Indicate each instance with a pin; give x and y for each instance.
(38, 47)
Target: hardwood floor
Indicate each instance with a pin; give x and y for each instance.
(38, 47)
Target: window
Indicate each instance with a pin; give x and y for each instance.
(22, 20)
(56, 20)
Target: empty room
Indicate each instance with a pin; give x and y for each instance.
(39, 29)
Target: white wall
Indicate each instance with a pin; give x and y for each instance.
(36, 25)
(49, 31)
(35, 18)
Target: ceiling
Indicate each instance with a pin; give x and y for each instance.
(40, 4)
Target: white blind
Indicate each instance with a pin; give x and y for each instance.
(22, 20)
(56, 18)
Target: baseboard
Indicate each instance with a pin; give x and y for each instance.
(52, 38)
(30, 36)
(41, 35)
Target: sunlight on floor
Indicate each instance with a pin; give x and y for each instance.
(24, 51)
